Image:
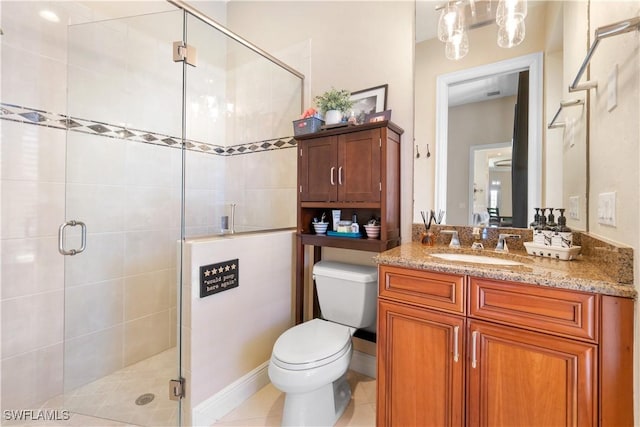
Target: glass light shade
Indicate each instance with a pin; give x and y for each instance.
(458, 46)
(511, 10)
(450, 22)
(511, 34)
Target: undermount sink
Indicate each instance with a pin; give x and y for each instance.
(479, 259)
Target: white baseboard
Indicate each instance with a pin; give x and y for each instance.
(363, 363)
(230, 397)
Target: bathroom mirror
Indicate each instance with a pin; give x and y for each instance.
(446, 180)
(471, 113)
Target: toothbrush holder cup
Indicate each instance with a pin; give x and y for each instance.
(320, 227)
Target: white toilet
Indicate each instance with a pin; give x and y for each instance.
(309, 362)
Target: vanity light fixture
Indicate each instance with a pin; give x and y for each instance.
(453, 26)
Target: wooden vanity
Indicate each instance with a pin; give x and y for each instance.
(461, 346)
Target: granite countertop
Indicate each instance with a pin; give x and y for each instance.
(581, 274)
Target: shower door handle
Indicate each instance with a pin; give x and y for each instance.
(83, 237)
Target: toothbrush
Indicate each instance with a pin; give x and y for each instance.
(424, 221)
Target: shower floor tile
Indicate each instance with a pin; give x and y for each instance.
(111, 400)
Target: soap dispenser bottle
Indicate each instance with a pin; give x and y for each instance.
(549, 226)
(563, 236)
(551, 223)
(538, 232)
(536, 219)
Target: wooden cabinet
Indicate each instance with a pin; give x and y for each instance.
(529, 355)
(356, 170)
(343, 168)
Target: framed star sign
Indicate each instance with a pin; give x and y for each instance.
(219, 277)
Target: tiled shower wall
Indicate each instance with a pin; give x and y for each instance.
(120, 294)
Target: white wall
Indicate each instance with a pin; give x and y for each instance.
(614, 151)
(228, 334)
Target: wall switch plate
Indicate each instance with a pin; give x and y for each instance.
(607, 209)
(574, 207)
(612, 89)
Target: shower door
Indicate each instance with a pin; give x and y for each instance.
(123, 235)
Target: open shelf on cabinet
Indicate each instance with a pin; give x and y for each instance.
(362, 244)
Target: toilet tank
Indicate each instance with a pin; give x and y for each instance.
(347, 293)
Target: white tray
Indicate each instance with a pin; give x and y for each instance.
(565, 254)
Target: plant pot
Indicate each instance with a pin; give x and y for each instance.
(332, 117)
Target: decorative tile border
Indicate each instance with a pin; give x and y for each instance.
(16, 113)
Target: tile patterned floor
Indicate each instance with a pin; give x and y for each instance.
(110, 401)
(265, 407)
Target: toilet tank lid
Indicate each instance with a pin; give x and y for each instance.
(341, 270)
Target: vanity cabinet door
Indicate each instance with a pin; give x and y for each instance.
(523, 378)
(420, 367)
(359, 166)
(318, 170)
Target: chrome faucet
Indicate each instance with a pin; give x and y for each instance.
(502, 242)
(455, 241)
(477, 243)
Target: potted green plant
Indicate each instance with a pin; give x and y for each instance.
(334, 104)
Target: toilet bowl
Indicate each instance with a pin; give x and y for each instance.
(309, 362)
(312, 375)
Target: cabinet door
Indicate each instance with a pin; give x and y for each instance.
(359, 166)
(524, 378)
(317, 169)
(420, 367)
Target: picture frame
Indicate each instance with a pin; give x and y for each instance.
(369, 101)
(378, 117)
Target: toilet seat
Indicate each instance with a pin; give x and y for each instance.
(311, 344)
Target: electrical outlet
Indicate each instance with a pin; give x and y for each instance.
(607, 209)
(574, 207)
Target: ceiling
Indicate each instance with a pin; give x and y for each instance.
(492, 87)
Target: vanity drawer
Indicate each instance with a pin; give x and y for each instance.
(568, 313)
(428, 289)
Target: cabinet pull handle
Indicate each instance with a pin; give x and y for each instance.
(474, 359)
(456, 354)
(340, 175)
(333, 170)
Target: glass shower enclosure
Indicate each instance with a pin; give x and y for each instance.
(159, 149)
